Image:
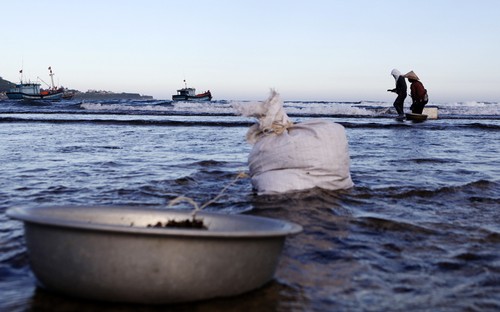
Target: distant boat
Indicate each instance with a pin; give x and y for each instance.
(33, 91)
(189, 94)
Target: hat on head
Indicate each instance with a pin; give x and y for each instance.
(412, 75)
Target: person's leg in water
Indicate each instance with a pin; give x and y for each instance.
(398, 105)
(417, 108)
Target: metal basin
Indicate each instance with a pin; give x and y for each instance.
(110, 254)
(416, 117)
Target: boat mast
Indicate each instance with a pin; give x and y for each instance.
(21, 71)
(51, 77)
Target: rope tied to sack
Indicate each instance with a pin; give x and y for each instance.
(271, 116)
(255, 132)
(277, 127)
(198, 207)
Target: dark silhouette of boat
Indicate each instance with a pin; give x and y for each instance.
(189, 94)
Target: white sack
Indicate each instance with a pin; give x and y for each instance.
(290, 157)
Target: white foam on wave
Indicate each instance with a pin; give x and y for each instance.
(327, 109)
(312, 108)
(364, 108)
(247, 108)
(470, 108)
(204, 107)
(123, 107)
(466, 104)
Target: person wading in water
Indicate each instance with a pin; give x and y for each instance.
(418, 93)
(401, 90)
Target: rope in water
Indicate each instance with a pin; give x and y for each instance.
(196, 206)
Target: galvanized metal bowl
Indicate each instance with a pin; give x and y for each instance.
(110, 254)
(416, 117)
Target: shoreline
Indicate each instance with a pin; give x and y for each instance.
(111, 96)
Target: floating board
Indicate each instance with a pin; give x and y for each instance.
(416, 117)
(431, 112)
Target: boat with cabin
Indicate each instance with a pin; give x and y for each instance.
(189, 94)
(33, 91)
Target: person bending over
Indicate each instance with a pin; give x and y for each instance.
(401, 90)
(418, 93)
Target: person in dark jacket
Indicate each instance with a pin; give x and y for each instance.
(417, 92)
(401, 90)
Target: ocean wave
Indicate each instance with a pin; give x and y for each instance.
(473, 188)
(348, 109)
(470, 108)
(483, 126)
(304, 108)
(123, 107)
(230, 121)
(136, 122)
(379, 223)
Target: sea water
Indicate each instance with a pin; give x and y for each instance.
(420, 230)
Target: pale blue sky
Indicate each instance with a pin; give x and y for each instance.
(307, 50)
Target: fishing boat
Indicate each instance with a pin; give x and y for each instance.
(189, 94)
(33, 91)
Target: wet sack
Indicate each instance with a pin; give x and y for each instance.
(289, 156)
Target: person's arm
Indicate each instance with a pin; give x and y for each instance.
(421, 91)
(395, 90)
